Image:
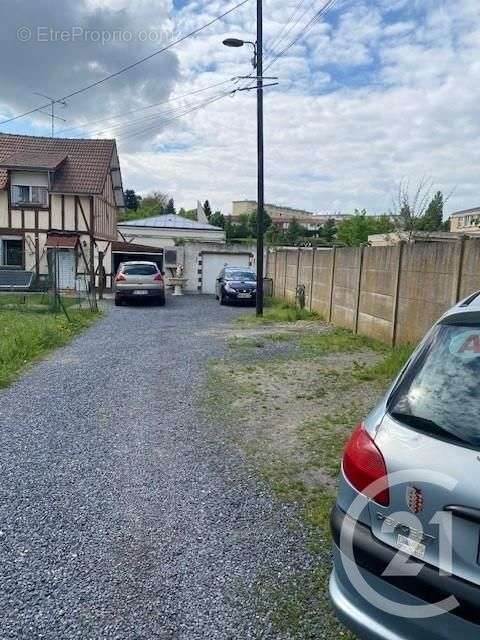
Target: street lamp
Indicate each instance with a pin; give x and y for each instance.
(258, 66)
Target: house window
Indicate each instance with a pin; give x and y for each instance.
(23, 194)
(11, 254)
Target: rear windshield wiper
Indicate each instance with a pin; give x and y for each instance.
(427, 426)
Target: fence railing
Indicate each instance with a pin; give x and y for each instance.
(393, 294)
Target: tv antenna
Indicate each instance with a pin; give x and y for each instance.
(53, 102)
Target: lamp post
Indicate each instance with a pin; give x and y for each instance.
(258, 66)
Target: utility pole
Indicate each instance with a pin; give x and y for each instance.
(260, 153)
(52, 115)
(258, 87)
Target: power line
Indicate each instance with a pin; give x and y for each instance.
(133, 65)
(310, 24)
(196, 108)
(290, 22)
(145, 108)
(171, 113)
(304, 31)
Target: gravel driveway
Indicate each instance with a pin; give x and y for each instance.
(122, 513)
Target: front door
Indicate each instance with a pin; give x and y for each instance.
(66, 269)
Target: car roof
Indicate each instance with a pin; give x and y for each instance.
(125, 264)
(467, 310)
(239, 269)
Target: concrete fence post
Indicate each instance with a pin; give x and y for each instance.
(312, 275)
(285, 274)
(274, 291)
(298, 269)
(358, 290)
(458, 273)
(332, 284)
(396, 292)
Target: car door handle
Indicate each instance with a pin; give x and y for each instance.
(466, 513)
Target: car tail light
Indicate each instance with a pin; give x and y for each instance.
(158, 277)
(120, 278)
(363, 464)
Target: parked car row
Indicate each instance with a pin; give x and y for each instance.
(145, 281)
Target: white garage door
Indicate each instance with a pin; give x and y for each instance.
(213, 263)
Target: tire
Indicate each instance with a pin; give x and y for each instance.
(118, 301)
(161, 301)
(222, 299)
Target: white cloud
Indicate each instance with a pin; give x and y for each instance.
(383, 91)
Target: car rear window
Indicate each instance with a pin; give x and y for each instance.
(440, 393)
(140, 270)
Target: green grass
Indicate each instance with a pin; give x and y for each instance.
(25, 337)
(278, 311)
(280, 337)
(238, 342)
(389, 367)
(31, 301)
(339, 340)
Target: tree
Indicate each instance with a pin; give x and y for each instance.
(252, 223)
(217, 219)
(408, 210)
(170, 208)
(294, 232)
(329, 231)
(191, 214)
(355, 231)
(132, 201)
(155, 200)
(433, 218)
(208, 210)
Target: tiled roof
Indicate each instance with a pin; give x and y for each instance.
(83, 171)
(32, 160)
(170, 222)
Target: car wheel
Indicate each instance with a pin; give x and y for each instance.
(161, 301)
(118, 301)
(222, 298)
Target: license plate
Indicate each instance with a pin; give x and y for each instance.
(244, 295)
(140, 292)
(411, 547)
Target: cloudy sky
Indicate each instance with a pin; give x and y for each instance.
(377, 92)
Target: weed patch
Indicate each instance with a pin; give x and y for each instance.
(27, 336)
(278, 311)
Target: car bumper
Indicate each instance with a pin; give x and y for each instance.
(234, 297)
(370, 622)
(132, 294)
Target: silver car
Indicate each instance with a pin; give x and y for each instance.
(139, 281)
(406, 525)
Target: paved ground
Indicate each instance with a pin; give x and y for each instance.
(122, 513)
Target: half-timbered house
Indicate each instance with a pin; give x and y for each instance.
(58, 196)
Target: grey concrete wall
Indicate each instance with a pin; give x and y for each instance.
(377, 292)
(292, 256)
(345, 287)
(322, 282)
(392, 294)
